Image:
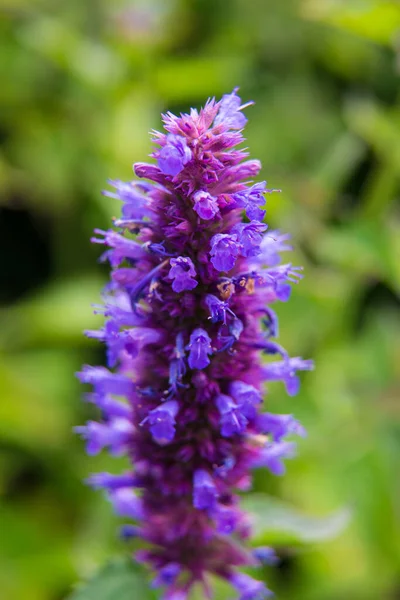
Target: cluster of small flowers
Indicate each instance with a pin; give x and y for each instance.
(188, 319)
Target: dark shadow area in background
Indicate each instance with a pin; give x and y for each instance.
(25, 252)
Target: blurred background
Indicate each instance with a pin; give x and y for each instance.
(82, 84)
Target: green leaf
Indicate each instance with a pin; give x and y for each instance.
(275, 522)
(119, 580)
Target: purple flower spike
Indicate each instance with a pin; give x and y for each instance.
(188, 318)
(224, 251)
(182, 272)
(204, 490)
(174, 155)
(199, 347)
(205, 205)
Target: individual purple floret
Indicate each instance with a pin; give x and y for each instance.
(285, 371)
(250, 199)
(229, 114)
(162, 422)
(200, 348)
(272, 456)
(249, 237)
(218, 308)
(266, 555)
(182, 272)
(174, 155)
(189, 334)
(248, 588)
(271, 245)
(224, 250)
(116, 434)
(278, 426)
(205, 205)
(247, 397)
(126, 503)
(233, 420)
(204, 490)
(167, 575)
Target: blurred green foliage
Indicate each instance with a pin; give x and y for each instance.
(82, 84)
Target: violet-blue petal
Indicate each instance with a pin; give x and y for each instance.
(133, 195)
(167, 575)
(233, 421)
(229, 112)
(205, 205)
(174, 155)
(199, 349)
(283, 291)
(266, 555)
(279, 426)
(224, 251)
(162, 421)
(126, 503)
(218, 309)
(271, 245)
(273, 454)
(249, 588)
(183, 274)
(122, 247)
(270, 322)
(113, 337)
(110, 407)
(250, 237)
(105, 382)
(204, 490)
(115, 434)
(109, 481)
(247, 397)
(285, 370)
(127, 532)
(177, 367)
(251, 199)
(226, 518)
